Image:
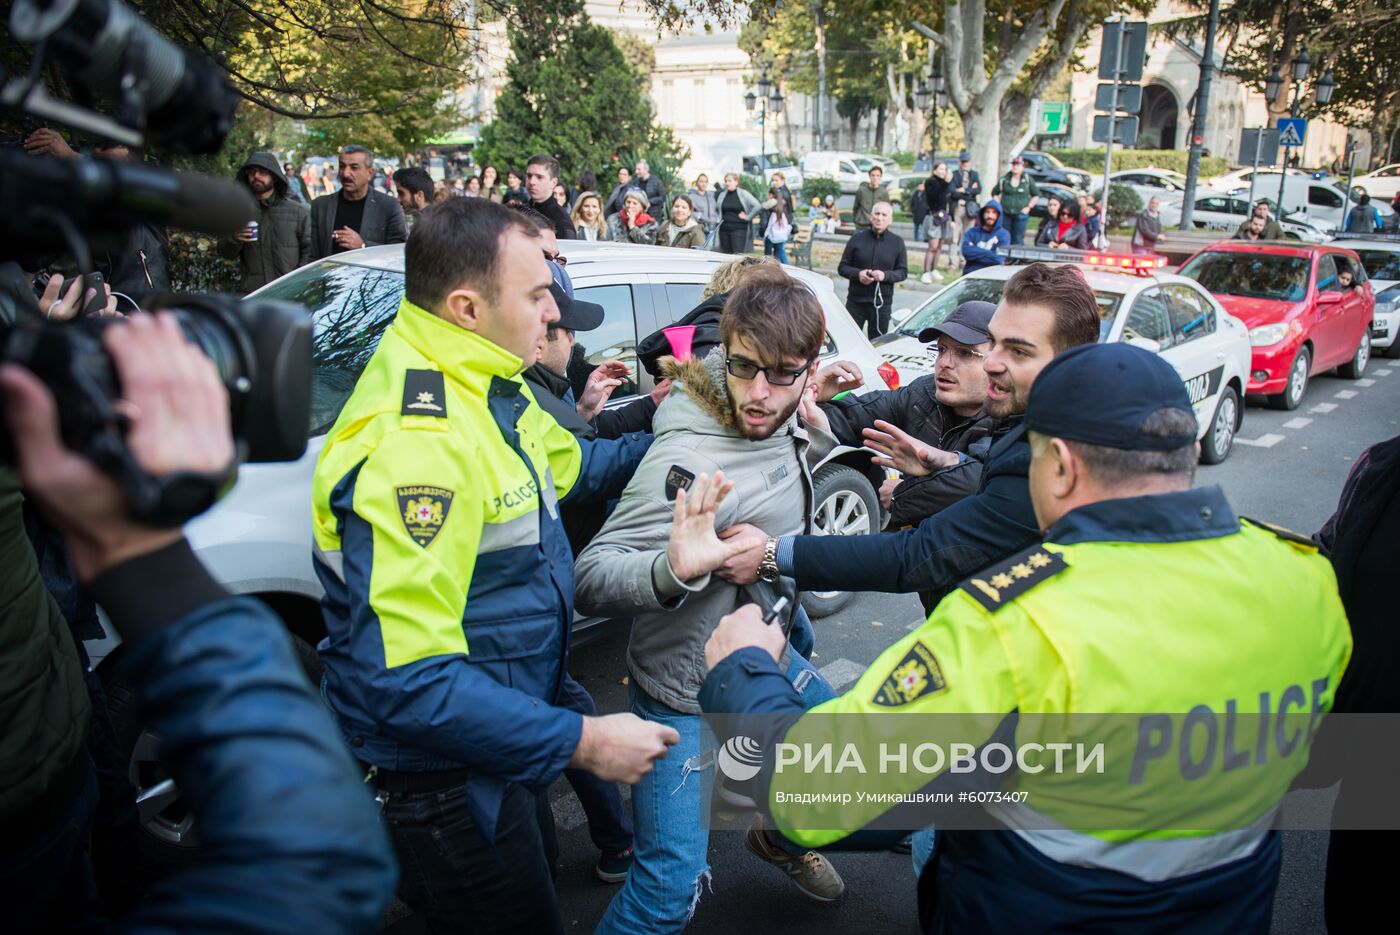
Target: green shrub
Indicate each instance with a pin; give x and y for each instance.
(195, 267)
(754, 185)
(819, 186)
(1123, 203)
(1091, 160)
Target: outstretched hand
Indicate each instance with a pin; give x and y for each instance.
(905, 453)
(695, 549)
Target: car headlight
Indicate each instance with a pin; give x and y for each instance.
(1265, 335)
(1385, 308)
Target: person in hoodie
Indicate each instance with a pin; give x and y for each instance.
(282, 241)
(683, 230)
(980, 243)
(729, 448)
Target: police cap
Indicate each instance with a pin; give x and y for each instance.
(1101, 394)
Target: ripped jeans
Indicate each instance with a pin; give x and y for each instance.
(670, 818)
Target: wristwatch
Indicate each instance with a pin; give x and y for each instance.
(768, 565)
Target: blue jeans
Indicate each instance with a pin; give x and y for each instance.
(778, 250)
(922, 844)
(47, 882)
(1016, 225)
(608, 824)
(670, 813)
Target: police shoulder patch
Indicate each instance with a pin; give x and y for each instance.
(915, 675)
(1295, 539)
(424, 394)
(677, 479)
(423, 511)
(1009, 579)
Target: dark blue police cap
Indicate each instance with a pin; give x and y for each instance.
(1101, 394)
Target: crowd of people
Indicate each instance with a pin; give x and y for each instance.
(465, 504)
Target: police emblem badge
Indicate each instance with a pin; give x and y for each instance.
(917, 674)
(423, 511)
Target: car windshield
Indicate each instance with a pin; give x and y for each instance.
(936, 309)
(1381, 264)
(1250, 274)
(350, 307)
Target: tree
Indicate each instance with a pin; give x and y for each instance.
(571, 93)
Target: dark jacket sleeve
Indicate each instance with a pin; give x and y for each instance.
(919, 497)
(304, 254)
(395, 228)
(938, 553)
(854, 413)
(848, 268)
(633, 417)
(900, 272)
(290, 839)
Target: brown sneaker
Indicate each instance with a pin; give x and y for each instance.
(812, 873)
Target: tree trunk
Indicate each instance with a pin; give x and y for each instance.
(880, 129)
(982, 138)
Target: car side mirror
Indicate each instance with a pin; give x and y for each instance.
(1329, 298)
(1147, 344)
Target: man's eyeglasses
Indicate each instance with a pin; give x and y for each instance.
(556, 258)
(961, 355)
(776, 376)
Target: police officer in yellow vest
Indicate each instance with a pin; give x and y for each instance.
(1204, 648)
(449, 578)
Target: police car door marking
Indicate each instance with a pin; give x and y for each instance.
(1204, 385)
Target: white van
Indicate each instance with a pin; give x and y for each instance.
(1321, 201)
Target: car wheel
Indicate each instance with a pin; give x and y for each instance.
(1392, 351)
(168, 841)
(1354, 368)
(1220, 437)
(846, 505)
(1292, 396)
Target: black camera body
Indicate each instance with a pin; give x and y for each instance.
(262, 350)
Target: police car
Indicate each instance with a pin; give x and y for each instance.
(1380, 255)
(1159, 311)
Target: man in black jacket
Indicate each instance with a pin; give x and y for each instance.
(282, 241)
(935, 430)
(541, 175)
(653, 186)
(1045, 310)
(874, 260)
(357, 215)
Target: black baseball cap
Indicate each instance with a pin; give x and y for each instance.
(967, 325)
(1101, 394)
(574, 314)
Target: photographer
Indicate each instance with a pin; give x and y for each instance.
(289, 835)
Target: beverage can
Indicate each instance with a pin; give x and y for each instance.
(253, 230)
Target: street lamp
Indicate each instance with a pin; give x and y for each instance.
(1322, 95)
(769, 100)
(1323, 92)
(1272, 85)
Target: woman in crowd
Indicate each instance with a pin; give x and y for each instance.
(1048, 223)
(1069, 232)
(777, 230)
(491, 184)
(683, 230)
(561, 195)
(515, 185)
(588, 217)
(706, 209)
(632, 224)
(473, 187)
(736, 207)
(624, 182)
(1093, 224)
(936, 226)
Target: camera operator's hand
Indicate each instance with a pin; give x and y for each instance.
(57, 307)
(46, 142)
(179, 421)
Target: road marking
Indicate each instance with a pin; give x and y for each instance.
(1344, 394)
(1263, 441)
(1323, 408)
(1384, 373)
(1366, 382)
(1298, 423)
(841, 673)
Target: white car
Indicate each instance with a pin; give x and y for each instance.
(1166, 184)
(257, 540)
(770, 163)
(849, 169)
(1234, 181)
(1381, 184)
(1162, 312)
(1380, 257)
(1225, 213)
(1322, 202)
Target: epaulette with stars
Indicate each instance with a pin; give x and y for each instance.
(1010, 578)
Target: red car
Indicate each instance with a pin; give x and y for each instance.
(1303, 315)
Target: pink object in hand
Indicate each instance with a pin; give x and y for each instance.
(680, 338)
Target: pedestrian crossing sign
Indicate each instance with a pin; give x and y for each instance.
(1291, 131)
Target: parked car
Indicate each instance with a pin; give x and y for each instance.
(1380, 255)
(1300, 320)
(1382, 183)
(1320, 201)
(1225, 213)
(1167, 314)
(1044, 167)
(1049, 190)
(769, 163)
(1240, 178)
(1165, 184)
(257, 539)
(849, 168)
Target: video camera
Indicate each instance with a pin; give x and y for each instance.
(182, 101)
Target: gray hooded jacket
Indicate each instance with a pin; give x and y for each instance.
(624, 571)
(284, 231)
